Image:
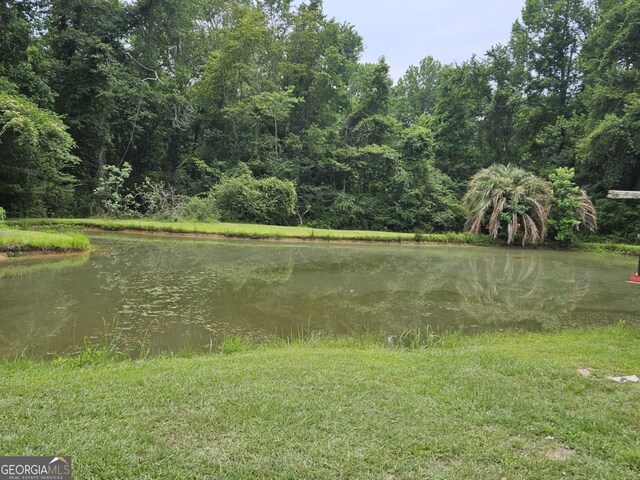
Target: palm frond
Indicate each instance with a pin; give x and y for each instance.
(586, 213)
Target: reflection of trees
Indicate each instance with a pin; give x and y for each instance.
(516, 290)
(24, 329)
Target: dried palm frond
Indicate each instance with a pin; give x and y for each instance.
(586, 213)
(531, 232)
(494, 222)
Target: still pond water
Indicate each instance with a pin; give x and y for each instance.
(143, 292)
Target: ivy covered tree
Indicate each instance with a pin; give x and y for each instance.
(35, 148)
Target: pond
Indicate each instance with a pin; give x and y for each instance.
(158, 293)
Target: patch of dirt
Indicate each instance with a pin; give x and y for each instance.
(585, 372)
(560, 454)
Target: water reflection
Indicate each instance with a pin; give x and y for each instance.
(161, 293)
(524, 288)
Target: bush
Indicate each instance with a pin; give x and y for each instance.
(571, 210)
(244, 198)
(158, 200)
(116, 200)
(196, 208)
(3, 216)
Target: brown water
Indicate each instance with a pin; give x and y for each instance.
(162, 293)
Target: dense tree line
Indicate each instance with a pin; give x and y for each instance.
(257, 103)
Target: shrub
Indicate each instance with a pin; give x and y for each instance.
(196, 208)
(3, 216)
(35, 158)
(158, 200)
(115, 199)
(244, 198)
(571, 208)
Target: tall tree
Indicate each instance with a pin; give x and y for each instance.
(24, 65)
(609, 152)
(415, 93)
(547, 42)
(85, 40)
(458, 116)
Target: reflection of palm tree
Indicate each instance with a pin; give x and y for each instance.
(518, 289)
(508, 193)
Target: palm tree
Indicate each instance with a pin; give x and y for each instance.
(508, 194)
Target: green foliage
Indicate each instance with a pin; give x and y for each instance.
(36, 157)
(571, 208)
(458, 117)
(563, 223)
(415, 93)
(3, 216)
(620, 217)
(186, 91)
(115, 199)
(194, 176)
(202, 209)
(244, 198)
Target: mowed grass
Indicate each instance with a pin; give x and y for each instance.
(486, 407)
(240, 230)
(23, 240)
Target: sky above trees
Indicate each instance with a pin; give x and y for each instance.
(405, 31)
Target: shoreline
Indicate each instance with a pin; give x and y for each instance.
(305, 234)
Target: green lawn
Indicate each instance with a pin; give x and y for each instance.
(241, 230)
(22, 240)
(480, 407)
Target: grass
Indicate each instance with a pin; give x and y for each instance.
(240, 230)
(620, 248)
(497, 405)
(12, 240)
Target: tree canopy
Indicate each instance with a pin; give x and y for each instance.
(202, 95)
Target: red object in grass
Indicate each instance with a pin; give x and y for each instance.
(634, 279)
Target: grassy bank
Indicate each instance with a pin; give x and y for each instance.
(620, 248)
(21, 241)
(484, 407)
(240, 230)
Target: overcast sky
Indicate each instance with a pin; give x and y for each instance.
(406, 31)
